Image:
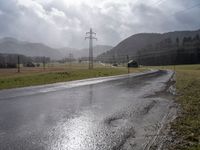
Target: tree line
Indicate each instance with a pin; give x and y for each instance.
(12, 60)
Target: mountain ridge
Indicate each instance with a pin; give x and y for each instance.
(12, 45)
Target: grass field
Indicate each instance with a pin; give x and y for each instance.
(10, 78)
(187, 125)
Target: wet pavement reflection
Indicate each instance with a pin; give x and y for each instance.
(108, 115)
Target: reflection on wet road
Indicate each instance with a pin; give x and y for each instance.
(100, 114)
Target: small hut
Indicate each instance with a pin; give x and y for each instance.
(132, 64)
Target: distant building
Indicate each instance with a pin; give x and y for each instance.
(29, 64)
(132, 63)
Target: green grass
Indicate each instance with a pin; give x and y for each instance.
(187, 124)
(195, 67)
(22, 80)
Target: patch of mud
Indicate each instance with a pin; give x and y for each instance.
(117, 122)
(169, 90)
(130, 116)
(147, 108)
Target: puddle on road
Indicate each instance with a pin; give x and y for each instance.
(132, 128)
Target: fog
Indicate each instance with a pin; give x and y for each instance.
(63, 23)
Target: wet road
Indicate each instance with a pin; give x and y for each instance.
(97, 114)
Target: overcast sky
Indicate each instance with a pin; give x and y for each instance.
(60, 23)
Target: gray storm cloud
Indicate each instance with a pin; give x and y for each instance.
(61, 23)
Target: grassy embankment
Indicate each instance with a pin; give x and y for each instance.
(187, 125)
(9, 78)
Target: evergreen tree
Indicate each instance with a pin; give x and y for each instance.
(197, 37)
(177, 41)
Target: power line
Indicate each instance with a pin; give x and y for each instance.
(180, 11)
(194, 6)
(184, 10)
(158, 2)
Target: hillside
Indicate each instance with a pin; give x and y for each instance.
(147, 43)
(13, 46)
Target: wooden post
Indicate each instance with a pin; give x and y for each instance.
(44, 63)
(127, 64)
(18, 64)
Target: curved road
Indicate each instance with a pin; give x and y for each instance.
(121, 112)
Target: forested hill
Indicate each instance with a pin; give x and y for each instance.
(151, 46)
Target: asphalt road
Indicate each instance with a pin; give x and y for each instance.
(123, 112)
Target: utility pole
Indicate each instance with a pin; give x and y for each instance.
(70, 59)
(44, 63)
(18, 64)
(90, 37)
(127, 57)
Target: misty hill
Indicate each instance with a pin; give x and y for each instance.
(13, 46)
(140, 45)
(77, 53)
